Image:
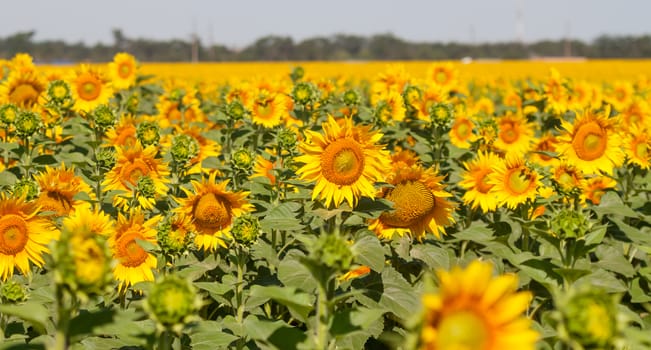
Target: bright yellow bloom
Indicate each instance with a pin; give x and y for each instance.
(89, 88)
(595, 187)
(212, 209)
(23, 88)
(420, 204)
(58, 190)
(475, 181)
(514, 182)
(637, 146)
(514, 135)
(444, 75)
(345, 162)
(547, 143)
(132, 164)
(461, 133)
(24, 236)
(123, 70)
(475, 311)
(591, 143)
(134, 263)
(268, 108)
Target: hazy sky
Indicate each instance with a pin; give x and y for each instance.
(237, 23)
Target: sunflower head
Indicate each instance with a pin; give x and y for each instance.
(473, 310)
(89, 88)
(172, 301)
(184, 148)
(236, 110)
(123, 70)
(345, 161)
(246, 229)
(26, 188)
(514, 182)
(305, 93)
(569, 224)
(175, 234)
(148, 133)
(12, 292)
(104, 117)
(8, 113)
(27, 123)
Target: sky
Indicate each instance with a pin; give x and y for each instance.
(237, 23)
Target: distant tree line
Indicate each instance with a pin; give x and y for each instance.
(337, 47)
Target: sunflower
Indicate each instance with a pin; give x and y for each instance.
(268, 108)
(637, 146)
(475, 182)
(594, 187)
(172, 112)
(513, 182)
(123, 134)
(123, 71)
(514, 135)
(89, 88)
(621, 95)
(264, 168)
(88, 222)
(345, 161)
(392, 108)
(461, 132)
(213, 209)
(24, 236)
(556, 93)
(474, 310)
(420, 204)
(59, 187)
(591, 143)
(22, 88)
(134, 263)
(540, 154)
(637, 113)
(444, 75)
(394, 78)
(567, 177)
(136, 167)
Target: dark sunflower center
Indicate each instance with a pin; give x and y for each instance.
(342, 162)
(211, 213)
(13, 234)
(590, 141)
(412, 201)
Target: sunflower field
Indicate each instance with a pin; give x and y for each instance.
(428, 205)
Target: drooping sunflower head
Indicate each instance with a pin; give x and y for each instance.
(212, 209)
(420, 204)
(123, 70)
(474, 310)
(591, 142)
(475, 181)
(514, 182)
(24, 236)
(59, 186)
(134, 263)
(89, 88)
(344, 162)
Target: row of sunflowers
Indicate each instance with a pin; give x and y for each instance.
(402, 211)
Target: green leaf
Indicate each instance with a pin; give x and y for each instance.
(209, 335)
(101, 343)
(7, 178)
(193, 269)
(299, 304)
(372, 208)
(613, 260)
(388, 291)
(351, 320)
(87, 321)
(262, 250)
(434, 257)
(36, 314)
(215, 289)
(45, 159)
(638, 294)
(611, 204)
(292, 273)
(476, 233)
(369, 251)
(604, 280)
(282, 217)
(276, 333)
(571, 275)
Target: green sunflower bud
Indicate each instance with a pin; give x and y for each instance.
(287, 140)
(304, 93)
(8, 114)
(297, 73)
(172, 301)
(145, 187)
(246, 229)
(334, 252)
(352, 98)
(59, 95)
(13, 292)
(27, 123)
(236, 110)
(106, 158)
(148, 133)
(184, 148)
(242, 160)
(25, 187)
(132, 104)
(569, 224)
(411, 95)
(442, 114)
(104, 117)
(591, 318)
(174, 235)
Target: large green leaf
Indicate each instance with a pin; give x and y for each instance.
(282, 217)
(276, 334)
(388, 291)
(36, 314)
(299, 304)
(368, 251)
(209, 335)
(434, 257)
(292, 273)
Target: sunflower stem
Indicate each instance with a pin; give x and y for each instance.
(239, 290)
(165, 340)
(63, 320)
